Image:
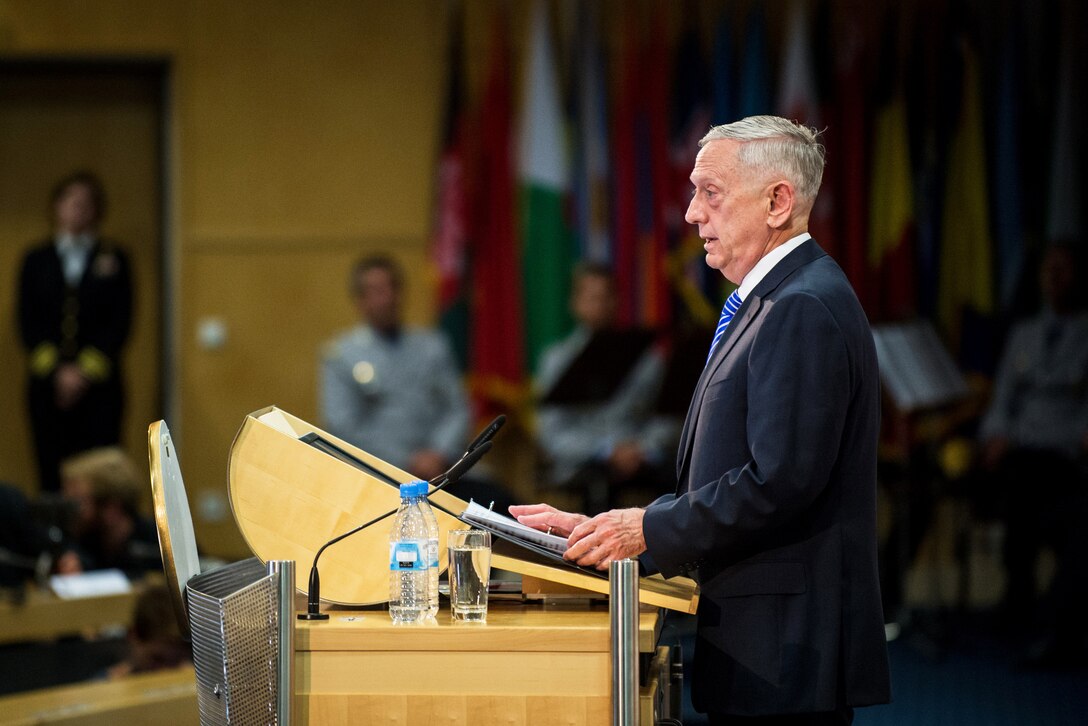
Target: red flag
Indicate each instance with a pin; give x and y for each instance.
(848, 164)
(641, 162)
(449, 236)
(497, 351)
(625, 180)
(657, 302)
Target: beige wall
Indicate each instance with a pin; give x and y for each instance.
(302, 135)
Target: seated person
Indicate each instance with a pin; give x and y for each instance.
(395, 391)
(154, 640)
(21, 538)
(108, 529)
(604, 450)
(1034, 441)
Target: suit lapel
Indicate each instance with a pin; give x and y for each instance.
(805, 253)
(747, 313)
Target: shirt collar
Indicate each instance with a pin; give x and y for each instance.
(767, 263)
(66, 241)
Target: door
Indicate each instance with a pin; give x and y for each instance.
(56, 118)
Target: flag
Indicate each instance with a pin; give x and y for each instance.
(755, 79)
(654, 179)
(497, 351)
(640, 159)
(723, 80)
(697, 286)
(543, 176)
(847, 171)
(1008, 210)
(891, 213)
(590, 176)
(797, 76)
(1065, 218)
(966, 266)
(625, 179)
(797, 100)
(449, 237)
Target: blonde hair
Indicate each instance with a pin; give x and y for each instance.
(112, 475)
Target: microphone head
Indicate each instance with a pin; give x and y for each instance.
(468, 461)
(488, 433)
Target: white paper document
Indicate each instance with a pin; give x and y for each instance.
(95, 583)
(508, 525)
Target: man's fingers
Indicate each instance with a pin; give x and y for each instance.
(517, 510)
(582, 530)
(539, 521)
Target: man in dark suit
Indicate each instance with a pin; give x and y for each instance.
(775, 507)
(75, 309)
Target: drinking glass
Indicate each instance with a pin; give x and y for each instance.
(469, 573)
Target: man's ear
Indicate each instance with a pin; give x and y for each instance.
(781, 201)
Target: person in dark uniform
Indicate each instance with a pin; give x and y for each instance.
(75, 311)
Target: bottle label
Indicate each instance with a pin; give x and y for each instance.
(406, 556)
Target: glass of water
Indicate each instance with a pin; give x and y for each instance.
(469, 573)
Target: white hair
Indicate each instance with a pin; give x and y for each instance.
(776, 145)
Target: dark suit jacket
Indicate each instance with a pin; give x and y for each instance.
(775, 507)
(99, 307)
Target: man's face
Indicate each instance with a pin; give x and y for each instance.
(594, 302)
(74, 210)
(730, 208)
(378, 299)
(80, 491)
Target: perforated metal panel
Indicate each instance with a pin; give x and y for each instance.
(233, 616)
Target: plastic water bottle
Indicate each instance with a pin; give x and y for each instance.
(409, 598)
(432, 550)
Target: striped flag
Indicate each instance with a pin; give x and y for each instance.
(449, 239)
(797, 100)
(497, 353)
(966, 264)
(891, 213)
(590, 178)
(543, 176)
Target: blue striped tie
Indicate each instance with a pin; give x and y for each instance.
(732, 305)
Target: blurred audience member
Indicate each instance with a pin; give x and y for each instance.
(107, 529)
(154, 641)
(395, 391)
(392, 390)
(21, 539)
(75, 308)
(1034, 440)
(611, 449)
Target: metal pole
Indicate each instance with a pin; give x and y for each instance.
(623, 615)
(283, 571)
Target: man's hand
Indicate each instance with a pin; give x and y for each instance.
(609, 536)
(547, 518)
(69, 385)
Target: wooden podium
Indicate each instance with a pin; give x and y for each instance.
(290, 497)
(530, 663)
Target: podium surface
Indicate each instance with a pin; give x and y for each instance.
(529, 664)
(289, 498)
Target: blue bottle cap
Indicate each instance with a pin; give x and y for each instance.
(407, 490)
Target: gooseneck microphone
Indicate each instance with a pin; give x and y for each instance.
(475, 451)
(487, 434)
